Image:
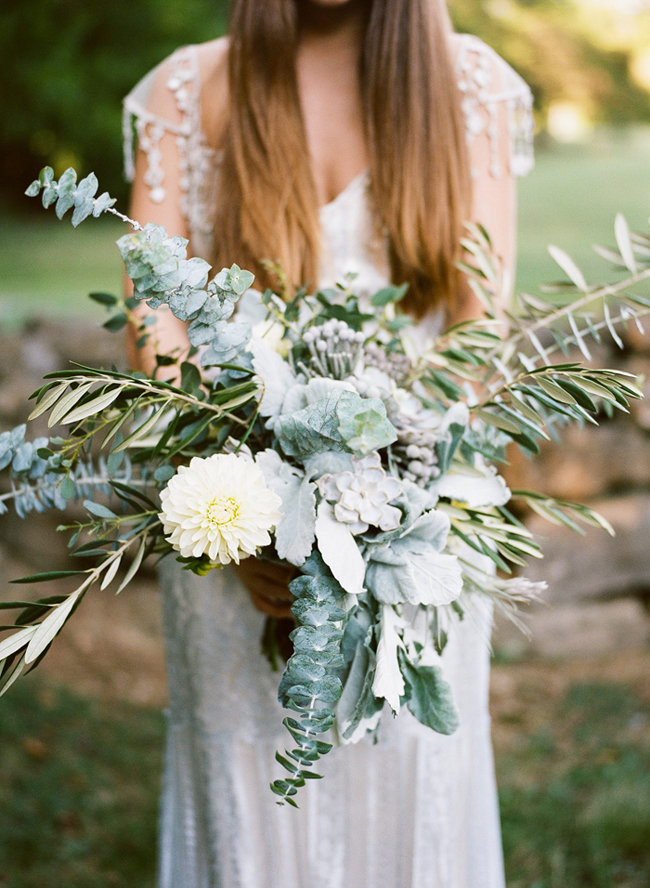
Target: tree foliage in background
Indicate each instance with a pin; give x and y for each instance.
(579, 51)
(68, 63)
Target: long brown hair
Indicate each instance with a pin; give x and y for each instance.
(419, 171)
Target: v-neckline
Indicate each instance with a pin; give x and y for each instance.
(345, 191)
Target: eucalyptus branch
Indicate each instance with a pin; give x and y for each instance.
(134, 225)
(44, 484)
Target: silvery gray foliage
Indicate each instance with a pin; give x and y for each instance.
(358, 703)
(341, 421)
(37, 483)
(412, 567)
(311, 685)
(32, 487)
(68, 193)
(159, 268)
(162, 274)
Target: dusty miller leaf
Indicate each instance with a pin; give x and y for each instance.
(429, 696)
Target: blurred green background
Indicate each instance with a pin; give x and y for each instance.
(79, 773)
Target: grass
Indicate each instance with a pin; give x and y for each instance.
(79, 784)
(575, 795)
(572, 197)
(570, 200)
(48, 268)
(79, 790)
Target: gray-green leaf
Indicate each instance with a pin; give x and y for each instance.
(429, 696)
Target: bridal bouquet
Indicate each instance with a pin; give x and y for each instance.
(313, 431)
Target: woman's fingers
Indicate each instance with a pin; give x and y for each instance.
(270, 606)
(268, 585)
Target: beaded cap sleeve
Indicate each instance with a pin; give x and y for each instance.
(197, 161)
(489, 87)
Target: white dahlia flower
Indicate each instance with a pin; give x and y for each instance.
(219, 507)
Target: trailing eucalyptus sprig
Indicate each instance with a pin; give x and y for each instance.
(68, 193)
(160, 270)
(311, 684)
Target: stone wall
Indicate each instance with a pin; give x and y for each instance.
(599, 587)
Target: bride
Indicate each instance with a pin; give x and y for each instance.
(336, 137)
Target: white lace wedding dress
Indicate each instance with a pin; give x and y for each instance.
(415, 810)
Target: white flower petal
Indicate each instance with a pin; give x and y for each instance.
(219, 507)
(487, 489)
(390, 518)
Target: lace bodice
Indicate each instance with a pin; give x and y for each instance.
(489, 86)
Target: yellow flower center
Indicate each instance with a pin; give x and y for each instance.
(222, 510)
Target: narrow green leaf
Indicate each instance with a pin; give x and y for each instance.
(110, 573)
(198, 429)
(553, 390)
(500, 422)
(120, 422)
(98, 510)
(104, 298)
(16, 641)
(116, 322)
(91, 408)
(574, 389)
(142, 430)
(526, 410)
(50, 627)
(51, 398)
(134, 566)
(622, 232)
(135, 492)
(569, 267)
(594, 388)
(190, 377)
(46, 576)
(67, 402)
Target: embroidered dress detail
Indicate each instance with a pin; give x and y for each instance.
(488, 83)
(197, 161)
